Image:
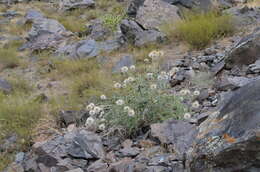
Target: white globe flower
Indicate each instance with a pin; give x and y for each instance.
(184, 92)
(149, 75)
(102, 127)
(120, 102)
(160, 77)
(117, 85)
(195, 105)
(173, 71)
(153, 54)
(132, 67)
(126, 108)
(97, 109)
(153, 86)
(131, 79)
(90, 106)
(101, 113)
(146, 60)
(92, 112)
(90, 121)
(103, 97)
(131, 113)
(161, 53)
(124, 69)
(196, 93)
(187, 116)
(126, 81)
(124, 85)
(163, 73)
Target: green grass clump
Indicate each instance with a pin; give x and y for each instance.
(72, 23)
(9, 56)
(111, 21)
(200, 29)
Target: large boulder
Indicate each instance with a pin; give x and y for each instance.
(76, 4)
(229, 139)
(137, 35)
(154, 13)
(245, 52)
(5, 86)
(88, 48)
(45, 33)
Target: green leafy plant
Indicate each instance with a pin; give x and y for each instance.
(111, 21)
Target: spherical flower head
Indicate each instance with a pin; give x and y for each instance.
(131, 79)
(153, 86)
(146, 60)
(120, 102)
(196, 93)
(153, 54)
(173, 71)
(132, 67)
(131, 113)
(117, 85)
(102, 127)
(90, 121)
(101, 113)
(163, 73)
(126, 108)
(149, 75)
(187, 116)
(124, 69)
(97, 109)
(103, 97)
(185, 92)
(90, 106)
(161, 53)
(195, 105)
(92, 112)
(160, 77)
(124, 85)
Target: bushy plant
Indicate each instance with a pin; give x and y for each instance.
(139, 100)
(111, 21)
(200, 29)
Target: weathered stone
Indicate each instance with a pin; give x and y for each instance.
(245, 52)
(5, 86)
(178, 133)
(97, 30)
(76, 170)
(73, 117)
(126, 60)
(76, 4)
(229, 139)
(154, 13)
(136, 34)
(98, 166)
(33, 15)
(129, 152)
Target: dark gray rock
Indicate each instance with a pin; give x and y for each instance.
(133, 7)
(229, 139)
(154, 13)
(88, 48)
(97, 166)
(126, 60)
(86, 145)
(195, 4)
(5, 86)
(254, 68)
(128, 152)
(73, 117)
(33, 15)
(245, 52)
(137, 35)
(178, 133)
(97, 30)
(76, 4)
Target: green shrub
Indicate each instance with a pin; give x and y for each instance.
(111, 21)
(200, 29)
(138, 101)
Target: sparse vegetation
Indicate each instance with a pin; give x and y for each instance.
(111, 21)
(200, 29)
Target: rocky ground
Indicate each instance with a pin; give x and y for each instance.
(219, 84)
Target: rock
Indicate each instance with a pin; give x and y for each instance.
(218, 67)
(76, 170)
(229, 139)
(88, 48)
(129, 152)
(45, 33)
(76, 4)
(154, 13)
(33, 15)
(97, 30)
(126, 60)
(198, 119)
(98, 166)
(245, 52)
(254, 68)
(125, 165)
(244, 16)
(19, 157)
(73, 117)
(178, 133)
(198, 4)
(137, 35)
(133, 7)
(86, 145)
(231, 83)
(5, 86)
